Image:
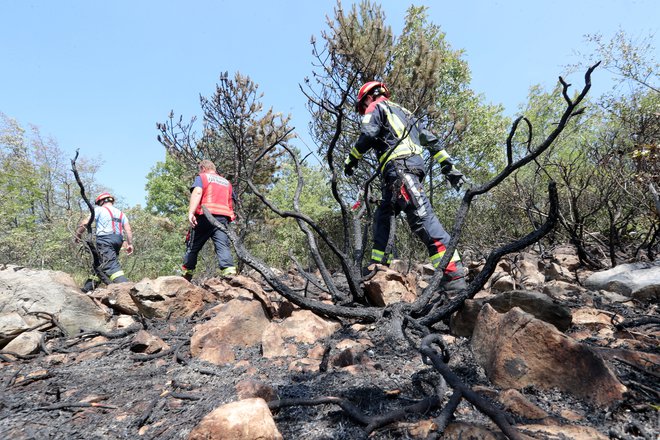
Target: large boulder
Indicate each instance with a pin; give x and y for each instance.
(517, 350)
(27, 291)
(236, 323)
(636, 280)
(248, 419)
(169, 296)
(118, 297)
(540, 305)
(302, 326)
(388, 286)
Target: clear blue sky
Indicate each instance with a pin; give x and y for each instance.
(98, 75)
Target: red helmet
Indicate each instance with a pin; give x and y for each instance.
(104, 196)
(367, 89)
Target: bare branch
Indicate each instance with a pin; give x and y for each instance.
(454, 381)
(89, 242)
(318, 307)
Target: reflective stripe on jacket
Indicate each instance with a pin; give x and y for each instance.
(216, 195)
(388, 126)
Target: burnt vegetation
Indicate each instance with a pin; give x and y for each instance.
(164, 395)
(407, 323)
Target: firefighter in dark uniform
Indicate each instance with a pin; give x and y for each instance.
(397, 140)
(216, 194)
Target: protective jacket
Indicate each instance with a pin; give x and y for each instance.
(398, 142)
(216, 195)
(390, 130)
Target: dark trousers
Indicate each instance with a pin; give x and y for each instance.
(108, 247)
(200, 234)
(419, 214)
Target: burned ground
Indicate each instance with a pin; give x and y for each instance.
(95, 387)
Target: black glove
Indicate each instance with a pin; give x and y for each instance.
(455, 179)
(349, 167)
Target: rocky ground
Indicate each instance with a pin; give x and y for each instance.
(105, 386)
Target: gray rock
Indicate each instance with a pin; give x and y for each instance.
(11, 325)
(24, 290)
(636, 280)
(541, 306)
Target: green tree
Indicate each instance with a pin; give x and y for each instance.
(159, 244)
(628, 151)
(315, 198)
(167, 188)
(239, 136)
(424, 75)
(39, 205)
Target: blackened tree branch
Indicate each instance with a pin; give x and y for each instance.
(89, 242)
(464, 391)
(318, 307)
(470, 194)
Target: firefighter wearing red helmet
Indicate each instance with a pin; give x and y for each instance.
(110, 226)
(398, 141)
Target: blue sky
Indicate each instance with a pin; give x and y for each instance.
(98, 75)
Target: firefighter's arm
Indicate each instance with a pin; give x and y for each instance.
(370, 128)
(453, 176)
(349, 164)
(129, 237)
(195, 198)
(81, 228)
(440, 155)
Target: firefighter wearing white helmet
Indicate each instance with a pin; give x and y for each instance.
(111, 224)
(398, 141)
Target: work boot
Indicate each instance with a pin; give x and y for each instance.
(89, 285)
(451, 285)
(228, 272)
(186, 273)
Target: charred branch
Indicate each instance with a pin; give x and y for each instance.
(470, 194)
(89, 242)
(366, 314)
(371, 423)
(113, 334)
(311, 240)
(74, 405)
(494, 257)
(463, 391)
(50, 317)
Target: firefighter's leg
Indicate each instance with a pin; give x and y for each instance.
(196, 240)
(109, 247)
(424, 223)
(381, 231)
(90, 284)
(223, 248)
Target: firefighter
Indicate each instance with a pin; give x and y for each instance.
(216, 194)
(110, 225)
(397, 139)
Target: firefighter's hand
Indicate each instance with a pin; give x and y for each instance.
(192, 219)
(129, 249)
(455, 179)
(349, 167)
